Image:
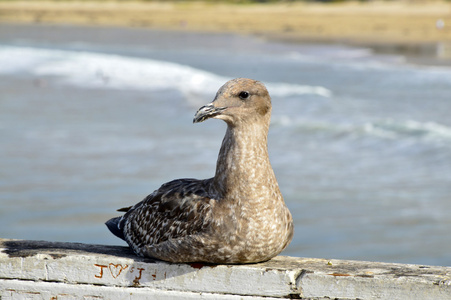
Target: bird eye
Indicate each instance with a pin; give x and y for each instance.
(244, 95)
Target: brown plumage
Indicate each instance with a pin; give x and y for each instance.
(239, 215)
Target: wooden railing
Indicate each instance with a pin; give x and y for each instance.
(49, 270)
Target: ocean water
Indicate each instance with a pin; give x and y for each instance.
(94, 119)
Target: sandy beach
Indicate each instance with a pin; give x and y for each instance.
(400, 22)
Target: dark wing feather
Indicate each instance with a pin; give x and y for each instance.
(178, 208)
(124, 209)
(113, 226)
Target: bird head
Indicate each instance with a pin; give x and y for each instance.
(238, 100)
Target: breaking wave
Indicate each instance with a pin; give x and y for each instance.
(96, 70)
(386, 129)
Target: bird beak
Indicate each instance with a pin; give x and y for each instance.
(206, 112)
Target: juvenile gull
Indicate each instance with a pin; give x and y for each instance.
(239, 215)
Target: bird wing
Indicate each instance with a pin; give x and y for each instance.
(177, 209)
(124, 209)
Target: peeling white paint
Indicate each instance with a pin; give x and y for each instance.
(42, 270)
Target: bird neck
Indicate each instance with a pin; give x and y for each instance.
(243, 165)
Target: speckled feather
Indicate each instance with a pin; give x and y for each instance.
(239, 215)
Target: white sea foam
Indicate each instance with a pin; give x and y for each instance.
(96, 70)
(385, 129)
(415, 129)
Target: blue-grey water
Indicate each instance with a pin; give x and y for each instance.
(94, 119)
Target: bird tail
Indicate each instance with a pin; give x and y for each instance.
(113, 226)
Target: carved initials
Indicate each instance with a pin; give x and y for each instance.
(116, 270)
(140, 274)
(101, 270)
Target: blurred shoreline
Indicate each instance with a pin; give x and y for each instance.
(419, 30)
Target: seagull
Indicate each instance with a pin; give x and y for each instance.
(238, 216)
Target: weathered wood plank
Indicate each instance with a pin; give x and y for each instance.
(30, 290)
(64, 268)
